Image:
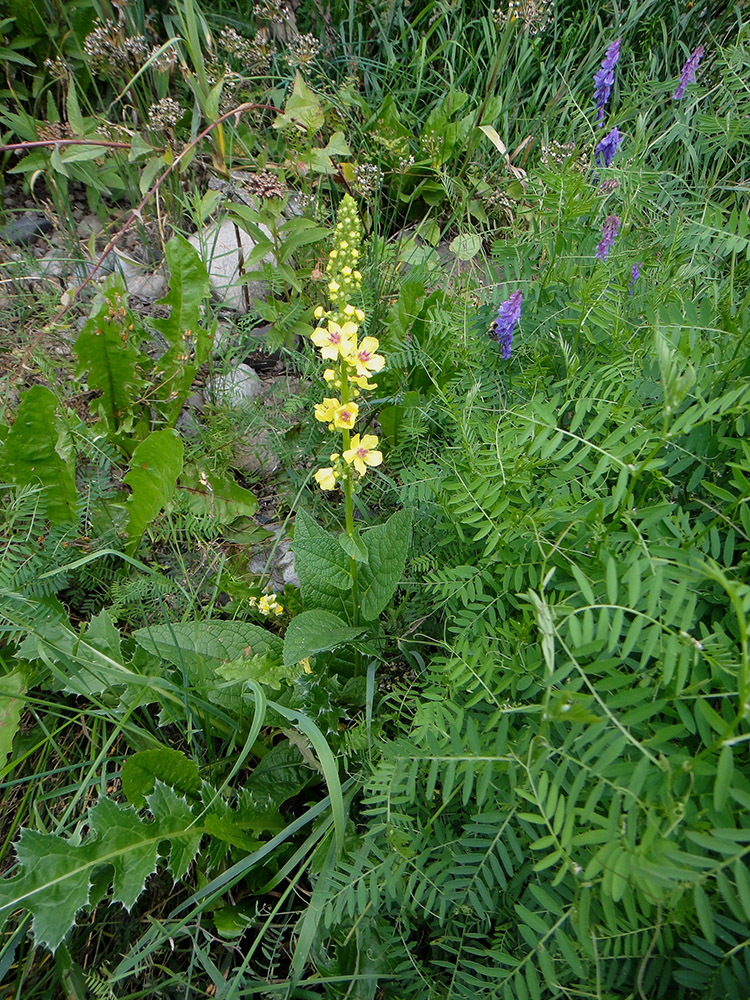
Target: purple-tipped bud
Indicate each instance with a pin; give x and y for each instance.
(607, 148)
(508, 315)
(634, 278)
(609, 232)
(604, 78)
(688, 73)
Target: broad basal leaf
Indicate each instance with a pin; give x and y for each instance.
(34, 453)
(154, 468)
(315, 632)
(54, 881)
(387, 546)
(12, 688)
(322, 566)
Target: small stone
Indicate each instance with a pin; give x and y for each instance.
(25, 230)
(238, 387)
(147, 286)
(222, 246)
(256, 456)
(89, 224)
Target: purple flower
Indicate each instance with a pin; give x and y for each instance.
(608, 147)
(605, 77)
(508, 315)
(636, 276)
(609, 231)
(688, 73)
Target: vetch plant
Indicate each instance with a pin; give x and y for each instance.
(687, 74)
(607, 148)
(508, 316)
(609, 233)
(604, 79)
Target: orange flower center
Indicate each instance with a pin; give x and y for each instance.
(364, 355)
(346, 414)
(362, 452)
(334, 337)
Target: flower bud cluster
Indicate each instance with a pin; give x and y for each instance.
(352, 360)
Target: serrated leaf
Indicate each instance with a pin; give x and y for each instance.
(302, 109)
(141, 771)
(154, 468)
(315, 632)
(105, 353)
(387, 547)
(54, 881)
(75, 118)
(189, 343)
(321, 564)
(35, 452)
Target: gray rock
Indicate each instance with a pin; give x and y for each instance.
(222, 247)
(281, 569)
(25, 230)
(237, 388)
(147, 286)
(89, 224)
(256, 455)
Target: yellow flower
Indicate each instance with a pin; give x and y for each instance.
(361, 381)
(305, 664)
(334, 287)
(337, 341)
(362, 453)
(364, 357)
(345, 416)
(319, 312)
(346, 271)
(326, 479)
(326, 411)
(269, 605)
(329, 374)
(349, 310)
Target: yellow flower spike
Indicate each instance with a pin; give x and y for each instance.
(357, 276)
(334, 287)
(326, 411)
(345, 416)
(346, 271)
(360, 316)
(333, 254)
(362, 453)
(326, 479)
(351, 311)
(335, 342)
(343, 245)
(364, 358)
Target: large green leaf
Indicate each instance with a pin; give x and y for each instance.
(186, 644)
(302, 109)
(315, 632)
(54, 882)
(154, 468)
(36, 452)
(387, 547)
(12, 688)
(142, 770)
(189, 343)
(105, 352)
(322, 566)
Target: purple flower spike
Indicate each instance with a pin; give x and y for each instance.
(604, 78)
(508, 315)
(609, 231)
(636, 276)
(688, 73)
(608, 147)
